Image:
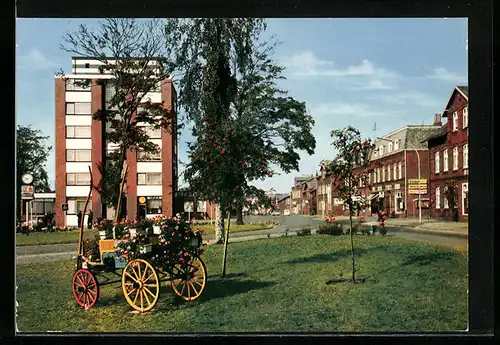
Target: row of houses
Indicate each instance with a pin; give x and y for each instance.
(430, 161)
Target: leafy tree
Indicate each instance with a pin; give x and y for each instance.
(31, 157)
(243, 123)
(133, 52)
(451, 195)
(350, 166)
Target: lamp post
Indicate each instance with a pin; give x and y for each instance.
(419, 183)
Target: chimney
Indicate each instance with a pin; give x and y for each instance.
(437, 119)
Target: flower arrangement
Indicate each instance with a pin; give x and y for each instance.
(131, 248)
(382, 217)
(329, 219)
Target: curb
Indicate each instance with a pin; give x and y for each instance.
(405, 228)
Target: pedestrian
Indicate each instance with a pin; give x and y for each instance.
(91, 218)
(79, 216)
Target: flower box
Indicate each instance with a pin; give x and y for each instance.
(132, 232)
(147, 248)
(156, 229)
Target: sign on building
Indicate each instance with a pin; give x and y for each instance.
(27, 192)
(413, 186)
(188, 206)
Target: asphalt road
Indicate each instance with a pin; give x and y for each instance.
(50, 252)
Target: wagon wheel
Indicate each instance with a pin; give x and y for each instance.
(189, 280)
(140, 285)
(85, 288)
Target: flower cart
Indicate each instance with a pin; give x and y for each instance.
(141, 260)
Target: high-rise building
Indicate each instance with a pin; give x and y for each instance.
(81, 141)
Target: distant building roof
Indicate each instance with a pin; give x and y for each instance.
(463, 90)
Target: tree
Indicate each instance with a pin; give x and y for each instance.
(451, 196)
(243, 123)
(134, 53)
(31, 157)
(353, 155)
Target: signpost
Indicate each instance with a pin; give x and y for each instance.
(27, 192)
(416, 186)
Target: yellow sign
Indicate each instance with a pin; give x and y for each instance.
(142, 200)
(416, 186)
(415, 181)
(415, 191)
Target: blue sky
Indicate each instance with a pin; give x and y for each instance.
(348, 71)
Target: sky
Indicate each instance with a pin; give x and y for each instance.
(358, 72)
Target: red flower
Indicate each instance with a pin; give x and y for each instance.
(222, 152)
(233, 132)
(237, 187)
(243, 164)
(211, 161)
(270, 175)
(211, 137)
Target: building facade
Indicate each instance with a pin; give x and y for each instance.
(395, 174)
(284, 205)
(80, 142)
(449, 160)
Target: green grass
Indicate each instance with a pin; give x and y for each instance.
(71, 236)
(210, 229)
(278, 285)
(68, 236)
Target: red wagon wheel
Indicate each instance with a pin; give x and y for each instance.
(85, 288)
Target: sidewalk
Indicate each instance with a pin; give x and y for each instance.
(430, 226)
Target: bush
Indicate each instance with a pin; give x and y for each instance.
(304, 232)
(382, 231)
(365, 231)
(354, 230)
(330, 229)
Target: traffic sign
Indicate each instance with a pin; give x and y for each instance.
(27, 192)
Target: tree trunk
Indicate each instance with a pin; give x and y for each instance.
(224, 257)
(352, 246)
(239, 215)
(219, 224)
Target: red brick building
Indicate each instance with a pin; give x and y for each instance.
(80, 142)
(328, 203)
(284, 205)
(448, 156)
(395, 161)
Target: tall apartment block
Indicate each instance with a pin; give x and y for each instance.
(80, 142)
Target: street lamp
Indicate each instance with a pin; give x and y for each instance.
(419, 187)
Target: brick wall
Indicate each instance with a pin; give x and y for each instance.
(60, 151)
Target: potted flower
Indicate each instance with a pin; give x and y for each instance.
(158, 222)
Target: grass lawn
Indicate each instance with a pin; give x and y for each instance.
(68, 236)
(71, 236)
(279, 285)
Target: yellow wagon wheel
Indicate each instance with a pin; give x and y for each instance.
(140, 285)
(189, 280)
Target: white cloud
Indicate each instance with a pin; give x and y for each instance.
(361, 110)
(410, 98)
(36, 60)
(445, 75)
(306, 65)
(375, 84)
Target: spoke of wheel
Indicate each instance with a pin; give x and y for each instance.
(90, 297)
(142, 301)
(128, 274)
(151, 275)
(144, 273)
(147, 290)
(129, 283)
(80, 296)
(194, 289)
(189, 290)
(139, 271)
(76, 283)
(93, 284)
(146, 296)
(136, 295)
(183, 286)
(153, 285)
(200, 284)
(78, 277)
(135, 273)
(128, 293)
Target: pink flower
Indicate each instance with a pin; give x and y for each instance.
(208, 242)
(173, 233)
(270, 175)
(243, 164)
(233, 132)
(211, 161)
(237, 187)
(186, 254)
(222, 152)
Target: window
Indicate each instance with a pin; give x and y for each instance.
(374, 176)
(465, 112)
(375, 154)
(396, 145)
(149, 178)
(77, 179)
(388, 173)
(329, 194)
(455, 121)
(389, 148)
(466, 156)
(153, 206)
(148, 156)
(400, 168)
(436, 162)
(153, 133)
(78, 132)
(77, 204)
(455, 158)
(381, 149)
(445, 160)
(394, 170)
(465, 199)
(445, 197)
(79, 108)
(383, 174)
(438, 198)
(78, 155)
(77, 85)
